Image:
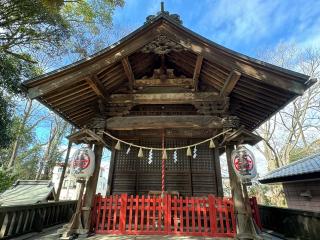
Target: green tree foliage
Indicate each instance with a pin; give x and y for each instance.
(41, 26)
(12, 70)
(33, 35)
(7, 178)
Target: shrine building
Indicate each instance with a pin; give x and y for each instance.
(165, 87)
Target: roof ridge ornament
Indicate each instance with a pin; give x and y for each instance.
(175, 17)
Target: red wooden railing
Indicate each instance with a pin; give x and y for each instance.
(211, 216)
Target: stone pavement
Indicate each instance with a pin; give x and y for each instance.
(51, 234)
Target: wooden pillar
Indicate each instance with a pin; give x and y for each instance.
(245, 228)
(111, 171)
(217, 168)
(92, 186)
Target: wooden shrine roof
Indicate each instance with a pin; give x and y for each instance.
(165, 67)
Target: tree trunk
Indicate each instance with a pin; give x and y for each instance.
(64, 169)
(15, 146)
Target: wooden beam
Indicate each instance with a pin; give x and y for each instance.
(162, 122)
(164, 98)
(230, 83)
(102, 106)
(128, 71)
(196, 72)
(171, 82)
(97, 87)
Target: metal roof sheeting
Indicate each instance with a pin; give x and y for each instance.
(306, 166)
(25, 192)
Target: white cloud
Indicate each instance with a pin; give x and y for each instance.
(252, 24)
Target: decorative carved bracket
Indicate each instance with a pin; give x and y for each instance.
(162, 45)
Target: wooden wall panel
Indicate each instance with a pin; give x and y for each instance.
(187, 175)
(124, 182)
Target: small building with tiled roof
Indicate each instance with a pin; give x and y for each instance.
(301, 182)
(24, 192)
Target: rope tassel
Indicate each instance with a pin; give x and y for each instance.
(118, 146)
(140, 153)
(189, 153)
(164, 155)
(212, 145)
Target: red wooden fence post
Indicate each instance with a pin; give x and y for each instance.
(123, 212)
(167, 209)
(212, 214)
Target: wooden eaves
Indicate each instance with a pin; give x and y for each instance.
(85, 89)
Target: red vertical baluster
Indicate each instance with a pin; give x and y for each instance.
(154, 204)
(109, 207)
(168, 210)
(136, 214)
(181, 215)
(142, 213)
(148, 212)
(123, 213)
(115, 211)
(160, 207)
(193, 216)
(198, 214)
(187, 214)
(130, 213)
(204, 209)
(212, 214)
(175, 220)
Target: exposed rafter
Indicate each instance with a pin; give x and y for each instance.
(231, 81)
(258, 71)
(97, 87)
(196, 72)
(128, 70)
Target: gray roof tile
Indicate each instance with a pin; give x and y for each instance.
(27, 192)
(307, 165)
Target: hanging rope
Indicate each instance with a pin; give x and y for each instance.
(165, 149)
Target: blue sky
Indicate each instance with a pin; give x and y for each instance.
(246, 26)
